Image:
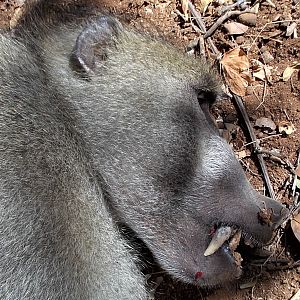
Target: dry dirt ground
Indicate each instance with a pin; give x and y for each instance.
(277, 276)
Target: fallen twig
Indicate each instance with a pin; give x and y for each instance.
(296, 204)
(222, 19)
(263, 167)
(265, 89)
(197, 16)
(240, 4)
(276, 264)
(202, 27)
(181, 15)
(265, 38)
(277, 157)
(263, 28)
(295, 176)
(248, 168)
(293, 211)
(263, 138)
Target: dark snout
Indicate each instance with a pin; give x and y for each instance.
(272, 212)
(270, 215)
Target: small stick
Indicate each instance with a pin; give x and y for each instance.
(263, 138)
(263, 28)
(285, 184)
(197, 29)
(277, 157)
(272, 266)
(295, 177)
(265, 88)
(271, 153)
(202, 27)
(197, 16)
(248, 168)
(226, 8)
(202, 46)
(223, 18)
(286, 114)
(293, 211)
(296, 203)
(264, 93)
(181, 15)
(265, 38)
(263, 167)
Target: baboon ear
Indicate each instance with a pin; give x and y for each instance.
(93, 42)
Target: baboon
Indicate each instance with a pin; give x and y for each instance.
(101, 126)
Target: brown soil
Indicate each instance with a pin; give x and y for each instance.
(277, 100)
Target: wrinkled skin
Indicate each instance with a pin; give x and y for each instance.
(101, 124)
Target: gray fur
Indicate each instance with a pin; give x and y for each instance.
(130, 144)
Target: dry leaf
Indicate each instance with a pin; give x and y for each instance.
(263, 73)
(255, 8)
(260, 70)
(288, 72)
(203, 5)
(185, 8)
(286, 127)
(296, 296)
(290, 29)
(241, 154)
(297, 171)
(256, 63)
(295, 224)
(298, 183)
(235, 65)
(220, 2)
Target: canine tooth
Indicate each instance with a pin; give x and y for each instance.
(221, 235)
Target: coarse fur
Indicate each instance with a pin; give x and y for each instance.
(101, 124)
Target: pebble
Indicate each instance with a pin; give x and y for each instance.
(234, 28)
(240, 40)
(267, 57)
(290, 29)
(263, 49)
(248, 19)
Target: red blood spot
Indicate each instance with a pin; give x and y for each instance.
(198, 275)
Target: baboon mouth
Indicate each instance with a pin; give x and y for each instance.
(229, 238)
